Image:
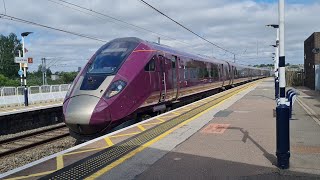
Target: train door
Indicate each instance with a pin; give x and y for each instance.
(229, 71)
(221, 72)
(232, 74)
(174, 76)
(162, 75)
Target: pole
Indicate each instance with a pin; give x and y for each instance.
(277, 67)
(234, 58)
(45, 71)
(25, 76)
(158, 40)
(42, 65)
(20, 69)
(282, 110)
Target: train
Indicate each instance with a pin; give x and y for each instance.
(128, 76)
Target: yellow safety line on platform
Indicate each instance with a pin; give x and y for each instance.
(108, 141)
(141, 127)
(121, 135)
(161, 120)
(31, 175)
(176, 113)
(148, 124)
(134, 152)
(169, 115)
(60, 163)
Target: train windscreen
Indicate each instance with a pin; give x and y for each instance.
(110, 57)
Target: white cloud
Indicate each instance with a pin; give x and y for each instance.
(234, 25)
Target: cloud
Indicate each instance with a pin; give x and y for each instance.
(237, 25)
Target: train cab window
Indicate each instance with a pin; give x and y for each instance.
(110, 57)
(151, 66)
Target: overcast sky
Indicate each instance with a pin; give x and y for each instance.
(236, 25)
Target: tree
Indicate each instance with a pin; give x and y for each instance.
(68, 77)
(9, 48)
(4, 81)
(40, 71)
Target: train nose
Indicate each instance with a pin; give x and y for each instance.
(86, 114)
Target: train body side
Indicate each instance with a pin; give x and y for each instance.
(151, 78)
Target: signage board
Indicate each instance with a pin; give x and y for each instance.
(30, 60)
(20, 72)
(20, 60)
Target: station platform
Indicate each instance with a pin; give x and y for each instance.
(32, 107)
(229, 135)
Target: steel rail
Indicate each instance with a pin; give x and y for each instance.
(42, 135)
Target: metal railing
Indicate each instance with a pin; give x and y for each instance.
(13, 96)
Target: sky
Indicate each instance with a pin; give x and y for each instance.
(235, 25)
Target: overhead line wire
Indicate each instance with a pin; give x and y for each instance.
(117, 19)
(186, 27)
(12, 18)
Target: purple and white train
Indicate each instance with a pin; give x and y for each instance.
(128, 76)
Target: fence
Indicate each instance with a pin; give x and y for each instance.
(14, 96)
(294, 78)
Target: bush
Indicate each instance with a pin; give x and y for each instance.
(4, 81)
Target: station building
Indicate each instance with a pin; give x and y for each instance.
(312, 61)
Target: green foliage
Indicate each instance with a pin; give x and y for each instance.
(4, 81)
(9, 47)
(68, 77)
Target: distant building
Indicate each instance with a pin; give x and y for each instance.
(312, 61)
(54, 77)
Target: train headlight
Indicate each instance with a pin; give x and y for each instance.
(115, 88)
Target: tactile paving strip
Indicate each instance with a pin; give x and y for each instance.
(93, 163)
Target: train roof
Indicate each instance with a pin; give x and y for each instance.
(166, 48)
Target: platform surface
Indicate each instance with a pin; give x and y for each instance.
(242, 146)
(31, 107)
(234, 138)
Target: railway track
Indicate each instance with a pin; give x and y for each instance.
(27, 141)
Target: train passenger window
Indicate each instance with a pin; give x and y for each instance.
(151, 66)
(214, 72)
(173, 60)
(235, 71)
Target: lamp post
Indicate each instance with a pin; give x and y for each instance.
(25, 66)
(276, 62)
(282, 109)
